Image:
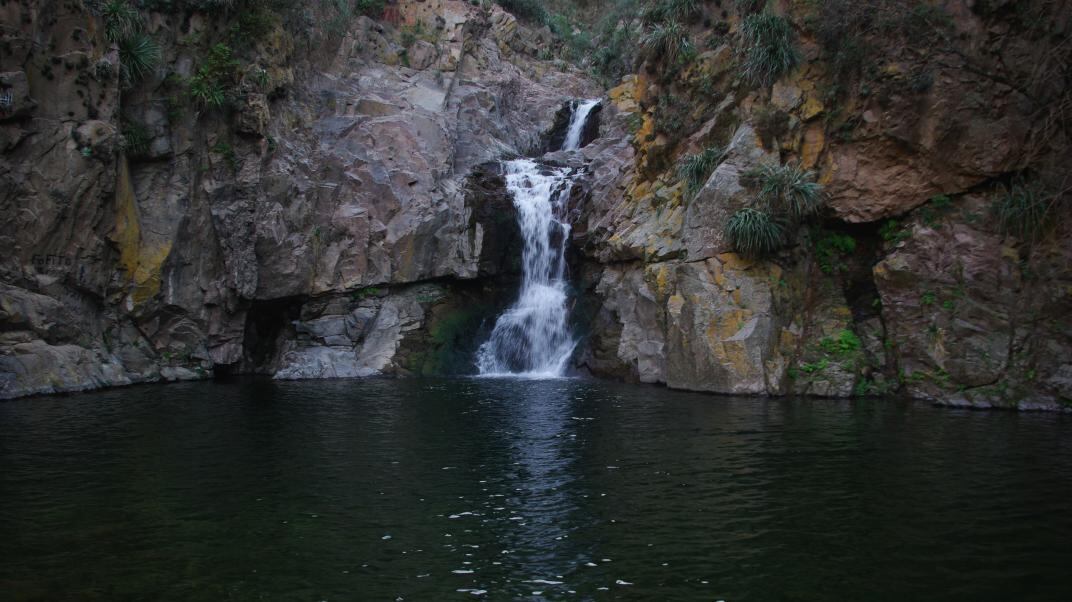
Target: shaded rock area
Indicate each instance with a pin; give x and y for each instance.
(318, 221)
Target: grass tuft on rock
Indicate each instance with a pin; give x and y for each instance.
(754, 233)
(769, 49)
(138, 55)
(695, 169)
(789, 190)
(669, 40)
(1023, 212)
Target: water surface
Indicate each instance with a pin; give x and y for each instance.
(525, 489)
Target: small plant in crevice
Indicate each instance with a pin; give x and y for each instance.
(1023, 212)
(212, 85)
(695, 169)
(120, 19)
(136, 138)
(755, 233)
(831, 249)
(893, 232)
(769, 48)
(672, 10)
(844, 344)
(671, 114)
(226, 151)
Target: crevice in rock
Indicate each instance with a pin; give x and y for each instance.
(268, 324)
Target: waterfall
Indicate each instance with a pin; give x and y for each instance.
(532, 337)
(577, 123)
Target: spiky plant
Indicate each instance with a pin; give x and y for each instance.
(769, 49)
(669, 40)
(695, 169)
(138, 55)
(789, 190)
(754, 233)
(136, 138)
(120, 19)
(207, 92)
(1022, 212)
(684, 10)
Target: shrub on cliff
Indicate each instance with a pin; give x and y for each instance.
(787, 195)
(695, 169)
(669, 40)
(769, 49)
(788, 190)
(754, 233)
(138, 52)
(1023, 212)
(672, 10)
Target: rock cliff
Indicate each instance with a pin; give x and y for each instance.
(281, 189)
(908, 280)
(293, 190)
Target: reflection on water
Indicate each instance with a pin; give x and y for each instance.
(525, 489)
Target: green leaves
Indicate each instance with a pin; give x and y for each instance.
(138, 55)
(787, 196)
(669, 40)
(789, 190)
(754, 233)
(769, 49)
(138, 52)
(211, 85)
(120, 20)
(1023, 212)
(695, 169)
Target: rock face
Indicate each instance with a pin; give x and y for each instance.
(337, 211)
(936, 304)
(317, 224)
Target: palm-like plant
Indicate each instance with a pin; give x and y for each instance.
(669, 40)
(120, 19)
(769, 50)
(138, 55)
(754, 233)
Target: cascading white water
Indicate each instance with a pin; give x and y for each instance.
(577, 123)
(532, 337)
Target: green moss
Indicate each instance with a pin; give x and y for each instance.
(451, 342)
(844, 344)
(831, 249)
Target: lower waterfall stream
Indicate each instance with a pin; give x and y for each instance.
(532, 337)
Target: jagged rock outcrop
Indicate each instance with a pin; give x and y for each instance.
(306, 227)
(936, 303)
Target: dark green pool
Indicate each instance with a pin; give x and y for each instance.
(506, 489)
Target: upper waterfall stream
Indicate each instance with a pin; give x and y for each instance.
(532, 337)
